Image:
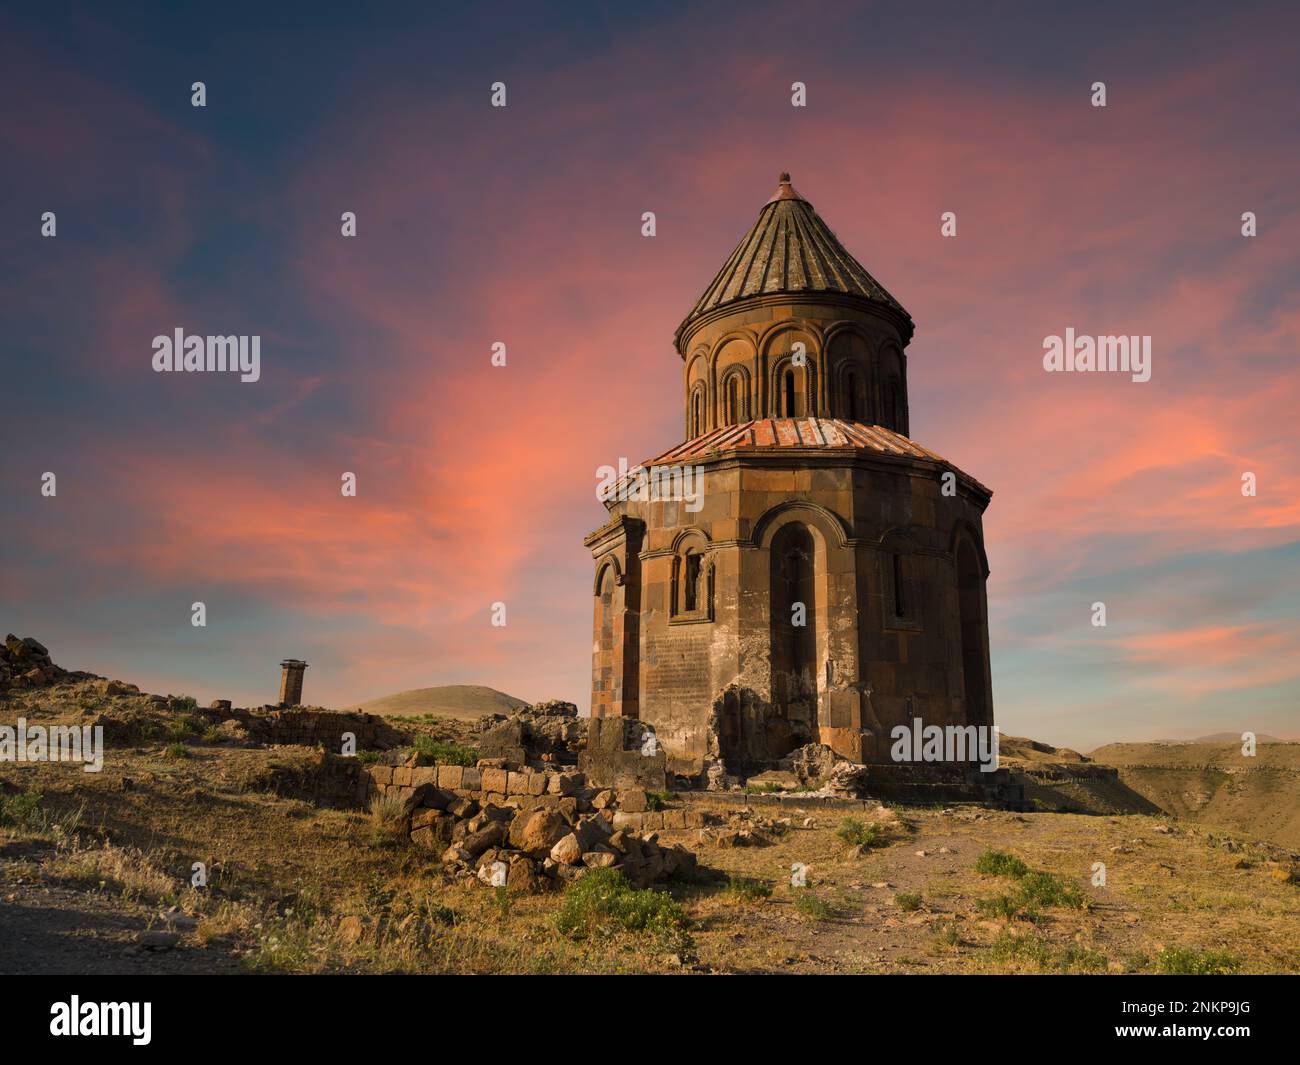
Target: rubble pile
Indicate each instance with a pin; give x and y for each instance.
(25, 663)
(550, 732)
(528, 830)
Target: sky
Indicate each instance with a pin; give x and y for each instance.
(522, 224)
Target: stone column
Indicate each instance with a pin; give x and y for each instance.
(291, 682)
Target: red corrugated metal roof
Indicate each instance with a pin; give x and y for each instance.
(801, 434)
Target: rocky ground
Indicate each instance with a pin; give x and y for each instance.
(96, 871)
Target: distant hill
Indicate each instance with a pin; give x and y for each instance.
(1213, 783)
(466, 702)
(1235, 737)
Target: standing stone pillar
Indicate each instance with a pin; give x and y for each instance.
(291, 681)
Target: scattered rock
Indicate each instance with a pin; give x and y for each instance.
(568, 851)
(156, 939)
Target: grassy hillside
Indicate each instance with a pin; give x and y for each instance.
(467, 702)
(1215, 785)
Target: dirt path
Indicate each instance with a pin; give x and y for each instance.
(47, 928)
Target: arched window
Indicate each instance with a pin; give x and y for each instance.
(851, 386)
(900, 598)
(692, 585)
(697, 413)
(788, 394)
(892, 407)
(735, 413)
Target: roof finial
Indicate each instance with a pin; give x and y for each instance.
(784, 190)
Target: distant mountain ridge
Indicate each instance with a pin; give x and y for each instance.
(1219, 737)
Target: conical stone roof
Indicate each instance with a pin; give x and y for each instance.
(789, 249)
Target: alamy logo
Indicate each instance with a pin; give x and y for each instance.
(667, 483)
(1080, 354)
(210, 354)
(946, 743)
(103, 1018)
(58, 743)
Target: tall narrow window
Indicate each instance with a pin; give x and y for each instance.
(733, 400)
(697, 414)
(851, 383)
(692, 584)
(900, 603)
(789, 394)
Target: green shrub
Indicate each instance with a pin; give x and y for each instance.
(603, 900)
(1000, 863)
(176, 750)
(859, 834)
(1044, 889)
(1075, 958)
(1021, 946)
(1003, 906)
(657, 800)
(184, 726)
(21, 810)
(948, 936)
(188, 702)
(445, 752)
(1191, 961)
(1032, 891)
(1033, 948)
(808, 904)
(749, 888)
(908, 900)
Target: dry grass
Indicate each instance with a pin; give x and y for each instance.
(298, 888)
(126, 872)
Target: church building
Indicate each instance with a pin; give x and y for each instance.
(828, 583)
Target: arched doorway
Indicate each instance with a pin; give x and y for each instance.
(794, 639)
(602, 686)
(970, 604)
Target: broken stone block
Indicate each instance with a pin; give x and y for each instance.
(427, 838)
(568, 851)
(424, 775)
(536, 832)
(564, 783)
(493, 834)
(463, 807)
(633, 800)
(495, 780)
(521, 876)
